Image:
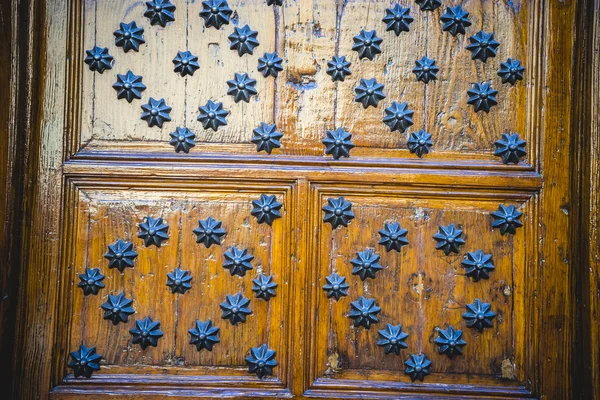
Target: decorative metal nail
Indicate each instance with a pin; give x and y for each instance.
(242, 88)
(264, 287)
(369, 92)
(397, 19)
(479, 315)
(449, 342)
(243, 40)
(338, 143)
(235, 308)
(366, 44)
(146, 333)
(417, 366)
(482, 96)
(129, 86)
(425, 70)
(85, 361)
(91, 281)
(212, 115)
(336, 286)
(182, 139)
(455, 20)
(237, 261)
(185, 63)
(478, 265)
(129, 36)
(153, 231)
(159, 12)
(366, 264)
(274, 2)
(510, 148)
(393, 237)
(209, 232)
(117, 308)
(428, 5)
(270, 64)
(266, 137)
(364, 312)
(511, 71)
(215, 13)
(507, 219)
(398, 117)
(392, 339)
(98, 59)
(419, 142)
(156, 112)
(179, 281)
(266, 209)
(120, 255)
(449, 239)
(261, 361)
(338, 212)
(338, 68)
(204, 335)
(483, 46)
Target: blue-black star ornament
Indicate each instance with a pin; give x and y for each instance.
(266, 137)
(364, 312)
(338, 212)
(392, 339)
(398, 117)
(420, 142)
(156, 112)
(179, 280)
(235, 308)
(264, 287)
(85, 361)
(261, 361)
(129, 36)
(369, 92)
(393, 237)
(266, 209)
(511, 148)
(153, 231)
(338, 143)
(274, 2)
(242, 87)
(507, 219)
(213, 115)
(450, 342)
(336, 286)
(511, 71)
(237, 261)
(243, 40)
(129, 86)
(98, 59)
(146, 333)
(417, 367)
(160, 12)
(185, 63)
(483, 46)
(428, 5)
(367, 44)
(478, 265)
(270, 65)
(449, 239)
(91, 281)
(366, 264)
(182, 139)
(117, 308)
(209, 232)
(425, 70)
(120, 255)
(455, 20)
(215, 13)
(482, 96)
(338, 68)
(397, 19)
(204, 335)
(479, 315)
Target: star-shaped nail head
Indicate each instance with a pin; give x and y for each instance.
(511, 71)
(212, 115)
(129, 86)
(266, 209)
(507, 219)
(235, 308)
(449, 239)
(120, 255)
(242, 87)
(215, 13)
(450, 342)
(85, 361)
(266, 137)
(338, 68)
(98, 59)
(261, 361)
(479, 315)
(483, 46)
(182, 140)
(338, 143)
(270, 65)
(397, 19)
(185, 63)
(417, 366)
(366, 44)
(129, 36)
(425, 70)
(117, 308)
(429, 5)
(243, 40)
(179, 281)
(204, 335)
(91, 281)
(209, 232)
(369, 92)
(364, 312)
(366, 264)
(510, 148)
(146, 333)
(156, 112)
(478, 265)
(264, 287)
(419, 142)
(159, 12)
(336, 286)
(398, 117)
(338, 212)
(482, 96)
(392, 339)
(455, 20)
(393, 237)
(153, 231)
(237, 261)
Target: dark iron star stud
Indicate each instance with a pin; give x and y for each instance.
(129, 36)
(455, 20)
(182, 139)
(212, 115)
(366, 264)
(338, 68)
(266, 209)
(179, 281)
(261, 361)
(364, 312)
(507, 219)
(483, 46)
(510, 148)
(338, 212)
(243, 40)
(117, 308)
(369, 92)
(98, 59)
(235, 308)
(482, 96)
(153, 231)
(129, 86)
(397, 19)
(479, 315)
(185, 63)
(146, 333)
(266, 137)
(237, 261)
(478, 265)
(159, 12)
(215, 13)
(398, 117)
(242, 88)
(425, 70)
(392, 339)
(274, 2)
(264, 287)
(270, 64)
(91, 281)
(336, 286)
(338, 143)
(511, 71)
(417, 366)
(156, 112)
(366, 44)
(429, 5)
(209, 232)
(85, 361)
(419, 142)
(120, 255)
(393, 237)
(204, 335)
(449, 342)
(449, 239)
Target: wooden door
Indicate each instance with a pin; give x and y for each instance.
(213, 219)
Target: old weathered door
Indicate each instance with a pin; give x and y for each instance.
(310, 198)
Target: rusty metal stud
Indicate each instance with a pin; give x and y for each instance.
(338, 143)
(397, 19)
(117, 308)
(479, 315)
(417, 366)
(338, 212)
(242, 87)
(336, 286)
(264, 287)
(156, 112)
(478, 265)
(511, 71)
(179, 281)
(120, 255)
(266, 209)
(98, 59)
(160, 12)
(455, 20)
(392, 339)
(266, 137)
(129, 36)
(209, 232)
(338, 68)
(366, 264)
(450, 342)
(369, 92)
(261, 361)
(204, 335)
(366, 44)
(237, 261)
(448, 239)
(182, 139)
(419, 142)
(185, 63)
(243, 40)
(146, 333)
(84, 361)
(507, 219)
(482, 96)
(483, 46)
(212, 115)
(393, 237)
(425, 70)
(270, 64)
(215, 13)
(398, 117)
(235, 308)
(153, 231)
(91, 281)
(364, 312)
(129, 86)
